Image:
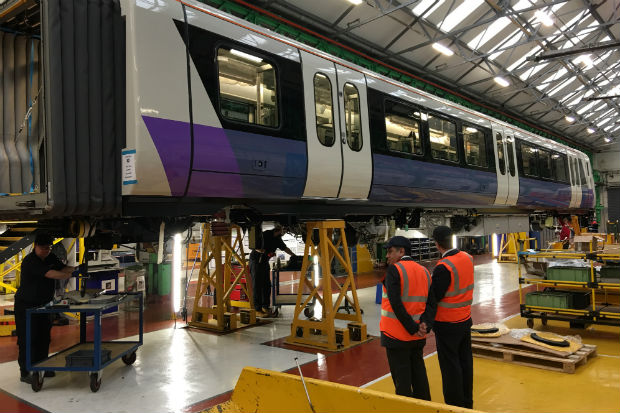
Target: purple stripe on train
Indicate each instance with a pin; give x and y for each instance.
(536, 193)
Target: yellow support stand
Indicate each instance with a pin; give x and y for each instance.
(320, 331)
(219, 249)
(12, 264)
(511, 244)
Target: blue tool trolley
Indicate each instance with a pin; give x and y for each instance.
(85, 356)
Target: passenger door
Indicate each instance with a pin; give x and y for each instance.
(575, 181)
(499, 149)
(512, 172)
(338, 137)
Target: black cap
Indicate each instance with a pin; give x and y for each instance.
(43, 238)
(442, 233)
(398, 242)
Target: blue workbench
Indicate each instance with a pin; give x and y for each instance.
(90, 357)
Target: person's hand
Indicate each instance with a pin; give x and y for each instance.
(422, 330)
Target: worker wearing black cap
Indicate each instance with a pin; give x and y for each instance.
(452, 293)
(39, 270)
(405, 294)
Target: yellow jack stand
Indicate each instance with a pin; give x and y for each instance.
(511, 244)
(322, 333)
(219, 248)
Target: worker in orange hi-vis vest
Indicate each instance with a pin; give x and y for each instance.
(451, 291)
(405, 293)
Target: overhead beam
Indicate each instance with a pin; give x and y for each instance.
(556, 54)
(601, 97)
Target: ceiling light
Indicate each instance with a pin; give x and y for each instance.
(570, 119)
(356, 2)
(544, 18)
(501, 81)
(442, 49)
(607, 140)
(591, 130)
(246, 56)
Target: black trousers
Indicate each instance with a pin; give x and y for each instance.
(408, 370)
(456, 362)
(261, 280)
(40, 327)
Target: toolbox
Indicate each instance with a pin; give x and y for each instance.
(86, 358)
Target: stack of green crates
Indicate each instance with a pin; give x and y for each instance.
(579, 274)
(610, 274)
(550, 299)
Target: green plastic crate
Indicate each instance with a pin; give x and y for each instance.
(579, 274)
(550, 299)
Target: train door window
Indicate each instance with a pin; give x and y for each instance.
(402, 126)
(558, 162)
(500, 152)
(324, 109)
(352, 116)
(544, 163)
(529, 159)
(248, 90)
(581, 173)
(442, 134)
(475, 146)
(511, 157)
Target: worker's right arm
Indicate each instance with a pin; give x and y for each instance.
(58, 270)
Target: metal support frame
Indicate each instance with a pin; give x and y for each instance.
(12, 264)
(323, 333)
(511, 245)
(220, 249)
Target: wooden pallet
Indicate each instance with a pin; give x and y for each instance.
(533, 358)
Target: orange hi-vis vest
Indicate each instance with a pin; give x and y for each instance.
(455, 306)
(415, 282)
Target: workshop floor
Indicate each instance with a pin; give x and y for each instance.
(188, 370)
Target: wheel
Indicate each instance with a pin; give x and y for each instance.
(530, 323)
(37, 381)
(129, 359)
(309, 312)
(95, 382)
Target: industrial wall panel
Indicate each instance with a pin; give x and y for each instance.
(613, 206)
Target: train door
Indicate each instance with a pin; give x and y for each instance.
(575, 182)
(339, 156)
(323, 127)
(354, 134)
(499, 150)
(512, 172)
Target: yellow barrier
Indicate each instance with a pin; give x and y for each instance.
(259, 390)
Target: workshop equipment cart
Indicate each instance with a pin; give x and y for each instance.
(90, 356)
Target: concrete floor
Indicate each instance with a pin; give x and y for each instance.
(187, 370)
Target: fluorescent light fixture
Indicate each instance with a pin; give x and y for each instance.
(591, 130)
(494, 244)
(453, 241)
(501, 81)
(443, 49)
(544, 18)
(569, 119)
(246, 56)
(318, 309)
(176, 273)
(355, 2)
(607, 140)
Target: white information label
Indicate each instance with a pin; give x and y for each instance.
(129, 167)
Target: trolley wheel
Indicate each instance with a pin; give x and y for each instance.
(37, 381)
(309, 312)
(530, 323)
(275, 312)
(129, 359)
(95, 382)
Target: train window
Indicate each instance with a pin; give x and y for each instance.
(559, 167)
(247, 88)
(402, 126)
(352, 116)
(529, 159)
(511, 155)
(581, 173)
(475, 146)
(544, 163)
(323, 109)
(500, 153)
(443, 139)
